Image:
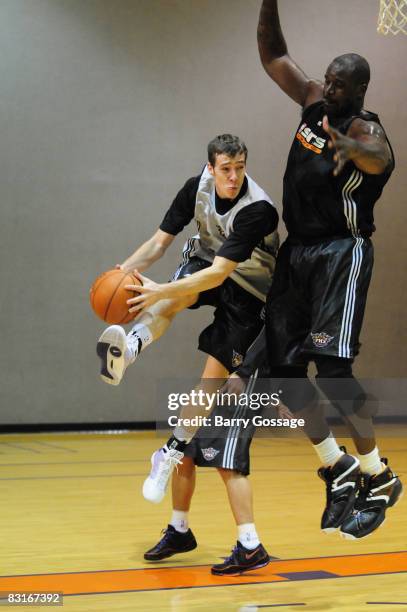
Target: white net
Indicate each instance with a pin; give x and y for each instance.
(392, 17)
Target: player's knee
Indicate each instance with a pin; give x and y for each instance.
(186, 469)
(294, 387)
(173, 306)
(185, 302)
(336, 381)
(227, 474)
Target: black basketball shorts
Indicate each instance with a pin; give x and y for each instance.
(236, 322)
(317, 300)
(224, 446)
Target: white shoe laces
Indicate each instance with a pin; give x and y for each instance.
(169, 461)
(132, 347)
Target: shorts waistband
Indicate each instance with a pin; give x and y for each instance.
(307, 241)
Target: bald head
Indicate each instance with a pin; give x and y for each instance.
(354, 66)
(346, 81)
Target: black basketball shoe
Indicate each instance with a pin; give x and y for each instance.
(376, 494)
(242, 560)
(172, 543)
(342, 481)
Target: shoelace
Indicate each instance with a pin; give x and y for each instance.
(363, 492)
(232, 556)
(166, 467)
(133, 343)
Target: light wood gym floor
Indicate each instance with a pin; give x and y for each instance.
(73, 520)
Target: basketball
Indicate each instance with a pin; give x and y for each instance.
(108, 296)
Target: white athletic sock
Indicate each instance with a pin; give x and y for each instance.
(138, 338)
(247, 535)
(179, 520)
(370, 463)
(328, 451)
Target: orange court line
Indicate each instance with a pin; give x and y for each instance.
(151, 579)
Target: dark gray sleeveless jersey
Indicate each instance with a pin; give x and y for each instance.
(255, 274)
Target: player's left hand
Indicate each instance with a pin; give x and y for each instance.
(345, 148)
(148, 293)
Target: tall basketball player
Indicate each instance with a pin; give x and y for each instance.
(338, 164)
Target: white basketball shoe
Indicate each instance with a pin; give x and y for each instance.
(163, 463)
(116, 352)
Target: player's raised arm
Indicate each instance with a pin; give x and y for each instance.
(149, 252)
(278, 63)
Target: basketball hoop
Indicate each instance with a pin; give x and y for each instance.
(392, 17)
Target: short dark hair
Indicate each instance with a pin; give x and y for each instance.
(227, 144)
(357, 67)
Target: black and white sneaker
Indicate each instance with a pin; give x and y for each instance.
(173, 542)
(376, 494)
(116, 351)
(342, 480)
(242, 560)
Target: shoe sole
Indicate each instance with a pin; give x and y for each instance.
(239, 572)
(176, 552)
(329, 530)
(112, 338)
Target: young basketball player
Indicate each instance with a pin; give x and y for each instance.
(338, 164)
(228, 264)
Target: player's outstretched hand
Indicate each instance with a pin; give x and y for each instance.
(148, 292)
(345, 148)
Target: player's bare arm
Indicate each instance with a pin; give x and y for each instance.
(149, 252)
(277, 62)
(365, 144)
(152, 292)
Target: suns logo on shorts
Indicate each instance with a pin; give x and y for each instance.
(237, 359)
(321, 339)
(209, 453)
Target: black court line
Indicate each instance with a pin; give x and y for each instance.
(74, 477)
(132, 475)
(31, 464)
(255, 606)
(215, 586)
(150, 566)
(63, 448)
(146, 461)
(19, 447)
(208, 586)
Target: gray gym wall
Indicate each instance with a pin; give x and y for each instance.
(106, 108)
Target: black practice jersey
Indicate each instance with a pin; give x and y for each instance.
(317, 204)
(250, 225)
